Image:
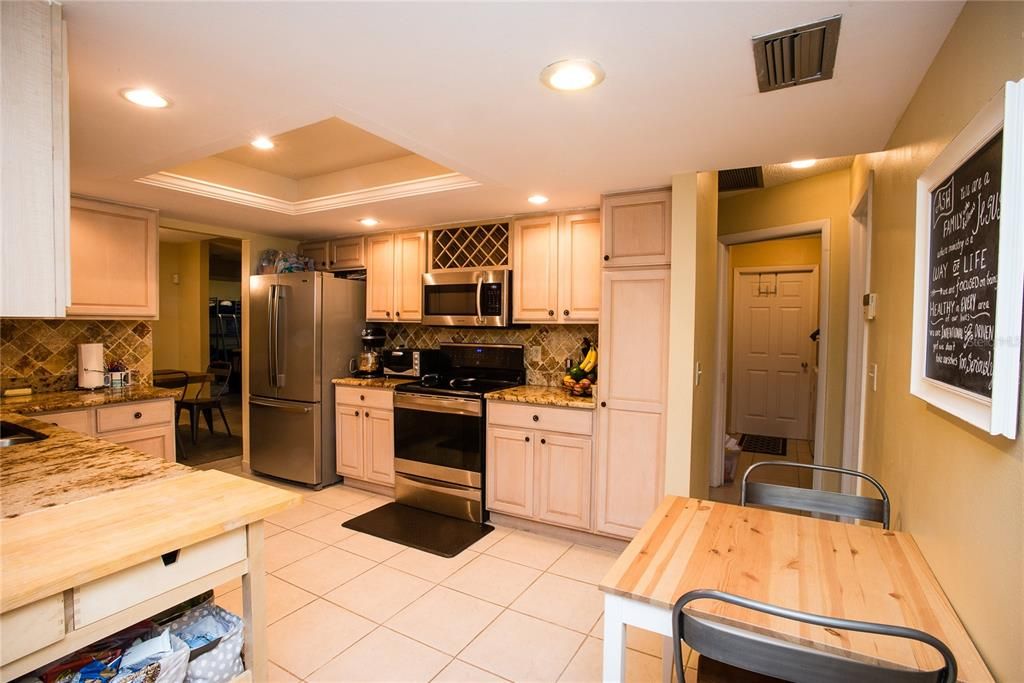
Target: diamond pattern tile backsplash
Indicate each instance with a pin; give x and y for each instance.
(43, 354)
(547, 346)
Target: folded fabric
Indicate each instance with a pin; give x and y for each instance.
(145, 652)
(203, 631)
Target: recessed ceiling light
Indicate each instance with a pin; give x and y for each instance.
(369, 222)
(537, 199)
(572, 74)
(145, 98)
(262, 142)
(803, 163)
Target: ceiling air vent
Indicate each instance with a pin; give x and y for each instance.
(803, 54)
(749, 178)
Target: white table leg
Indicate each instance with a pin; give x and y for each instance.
(614, 640)
(254, 605)
(668, 654)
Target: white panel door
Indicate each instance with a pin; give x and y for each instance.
(563, 480)
(510, 455)
(774, 315)
(379, 446)
(348, 425)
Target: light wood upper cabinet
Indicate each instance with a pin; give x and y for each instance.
(631, 414)
(410, 262)
(379, 446)
(564, 480)
(579, 267)
(510, 458)
(535, 269)
(345, 253)
(637, 229)
(317, 251)
(113, 261)
(34, 270)
(380, 277)
(556, 264)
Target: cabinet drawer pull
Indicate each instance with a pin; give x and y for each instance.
(138, 415)
(361, 397)
(170, 558)
(536, 418)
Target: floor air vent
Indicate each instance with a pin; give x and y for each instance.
(803, 54)
(749, 178)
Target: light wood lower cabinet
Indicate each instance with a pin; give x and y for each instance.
(539, 475)
(365, 435)
(146, 426)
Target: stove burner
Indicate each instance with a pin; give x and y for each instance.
(462, 382)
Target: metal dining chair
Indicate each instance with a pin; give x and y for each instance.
(744, 652)
(814, 500)
(220, 372)
(174, 379)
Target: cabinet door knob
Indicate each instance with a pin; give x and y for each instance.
(527, 439)
(138, 415)
(536, 418)
(543, 440)
(566, 313)
(607, 257)
(551, 313)
(361, 397)
(357, 413)
(366, 414)
(387, 314)
(398, 314)
(603, 404)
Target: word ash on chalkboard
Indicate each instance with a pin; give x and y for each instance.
(963, 272)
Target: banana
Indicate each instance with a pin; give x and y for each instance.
(590, 361)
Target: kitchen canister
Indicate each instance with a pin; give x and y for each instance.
(90, 366)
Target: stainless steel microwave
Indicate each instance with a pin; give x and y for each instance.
(479, 298)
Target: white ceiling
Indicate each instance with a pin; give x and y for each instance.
(458, 84)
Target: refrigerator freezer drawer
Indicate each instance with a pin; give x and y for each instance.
(284, 439)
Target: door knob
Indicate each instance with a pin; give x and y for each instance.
(543, 440)
(138, 416)
(603, 404)
(362, 398)
(527, 439)
(398, 314)
(357, 413)
(366, 414)
(566, 313)
(536, 418)
(804, 365)
(551, 313)
(607, 257)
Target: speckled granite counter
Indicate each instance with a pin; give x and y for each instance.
(542, 396)
(372, 382)
(80, 400)
(69, 466)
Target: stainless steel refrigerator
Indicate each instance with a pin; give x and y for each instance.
(303, 330)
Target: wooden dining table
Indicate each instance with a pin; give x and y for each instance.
(852, 571)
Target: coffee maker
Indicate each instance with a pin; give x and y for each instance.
(369, 362)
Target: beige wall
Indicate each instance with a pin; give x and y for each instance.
(825, 196)
(181, 335)
(226, 289)
(692, 333)
(957, 489)
(166, 330)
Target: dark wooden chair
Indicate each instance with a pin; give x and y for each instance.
(740, 655)
(220, 371)
(813, 500)
(174, 379)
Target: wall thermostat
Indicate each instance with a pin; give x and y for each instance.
(870, 305)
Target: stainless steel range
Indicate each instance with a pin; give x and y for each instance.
(440, 426)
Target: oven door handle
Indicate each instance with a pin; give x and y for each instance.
(466, 492)
(439, 404)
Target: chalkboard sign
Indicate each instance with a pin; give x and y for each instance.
(963, 259)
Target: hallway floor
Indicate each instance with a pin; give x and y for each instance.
(798, 450)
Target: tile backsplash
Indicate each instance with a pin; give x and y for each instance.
(43, 354)
(547, 346)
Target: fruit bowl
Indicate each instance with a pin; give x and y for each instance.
(582, 388)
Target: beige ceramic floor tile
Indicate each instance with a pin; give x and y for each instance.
(562, 601)
(433, 568)
(338, 496)
(587, 665)
(327, 529)
(282, 599)
(521, 648)
(490, 539)
(276, 674)
(444, 619)
(379, 593)
(287, 547)
(533, 550)
(310, 637)
(325, 570)
(270, 529)
(460, 672)
(371, 503)
(493, 579)
(376, 549)
(383, 656)
(584, 564)
(300, 514)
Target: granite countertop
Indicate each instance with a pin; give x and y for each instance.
(69, 466)
(543, 396)
(372, 382)
(77, 400)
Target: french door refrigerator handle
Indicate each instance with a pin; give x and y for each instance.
(279, 298)
(272, 335)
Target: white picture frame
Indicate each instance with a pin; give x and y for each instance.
(998, 414)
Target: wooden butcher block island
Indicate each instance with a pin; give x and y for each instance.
(96, 537)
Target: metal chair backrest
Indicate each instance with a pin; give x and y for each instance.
(771, 656)
(221, 371)
(814, 500)
(172, 379)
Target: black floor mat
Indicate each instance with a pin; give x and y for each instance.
(769, 445)
(420, 529)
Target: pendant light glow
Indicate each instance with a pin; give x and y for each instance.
(572, 74)
(262, 142)
(803, 163)
(145, 97)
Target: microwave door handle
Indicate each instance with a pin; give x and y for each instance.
(479, 290)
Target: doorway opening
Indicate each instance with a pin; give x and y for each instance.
(197, 342)
(773, 294)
